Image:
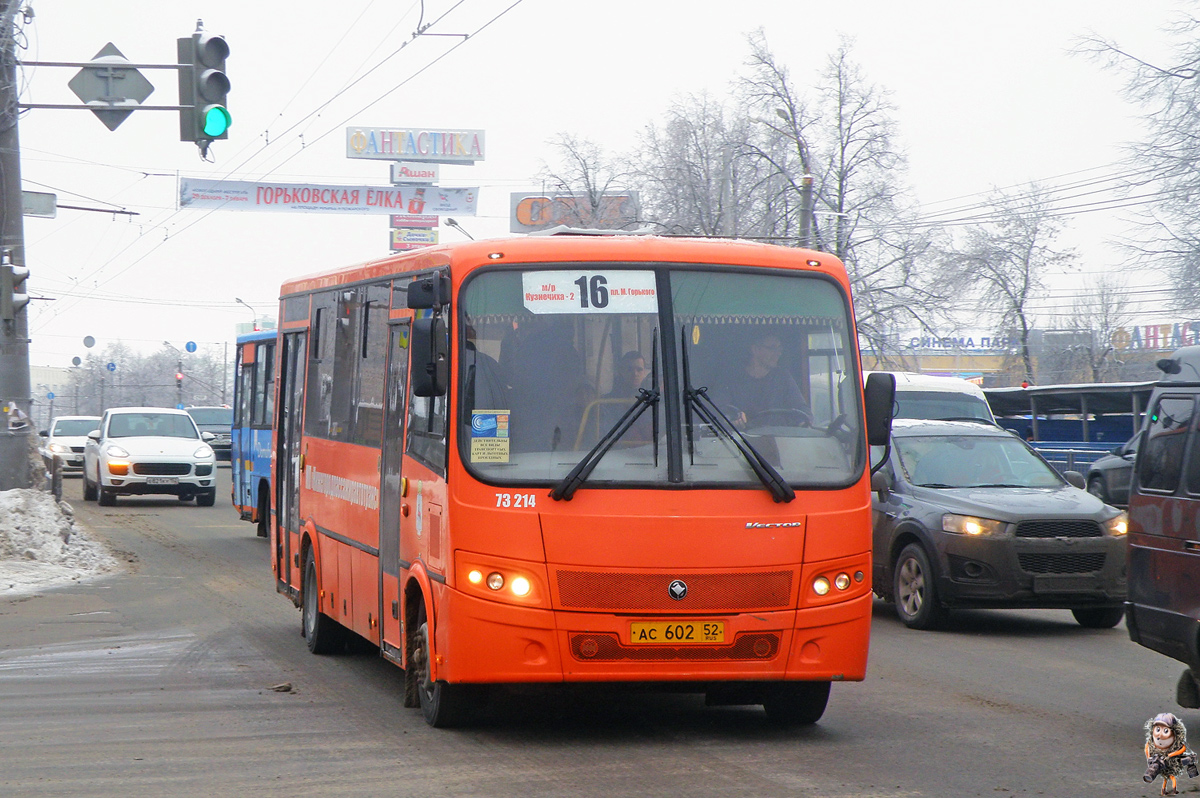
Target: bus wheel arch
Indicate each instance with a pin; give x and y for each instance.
(323, 634)
(442, 704)
(263, 520)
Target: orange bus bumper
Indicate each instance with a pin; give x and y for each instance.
(479, 641)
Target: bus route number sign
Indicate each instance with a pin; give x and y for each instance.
(614, 291)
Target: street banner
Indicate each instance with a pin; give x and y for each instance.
(409, 220)
(425, 174)
(413, 238)
(236, 195)
(427, 145)
(534, 212)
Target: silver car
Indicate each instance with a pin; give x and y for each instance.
(65, 440)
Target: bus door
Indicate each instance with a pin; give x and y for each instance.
(241, 449)
(292, 360)
(391, 490)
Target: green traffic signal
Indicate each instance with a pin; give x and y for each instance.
(203, 88)
(216, 121)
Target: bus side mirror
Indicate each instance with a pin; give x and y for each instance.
(878, 399)
(429, 292)
(430, 360)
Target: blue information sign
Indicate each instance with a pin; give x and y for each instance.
(111, 367)
(190, 346)
(50, 395)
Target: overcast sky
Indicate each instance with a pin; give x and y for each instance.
(986, 94)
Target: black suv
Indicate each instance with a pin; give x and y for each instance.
(218, 421)
(968, 515)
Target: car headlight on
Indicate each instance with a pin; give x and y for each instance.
(115, 451)
(59, 448)
(202, 452)
(971, 526)
(1118, 525)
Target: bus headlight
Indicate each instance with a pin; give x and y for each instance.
(500, 579)
(820, 586)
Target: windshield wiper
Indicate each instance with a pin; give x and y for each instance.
(697, 400)
(566, 488)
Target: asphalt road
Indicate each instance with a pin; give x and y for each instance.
(158, 682)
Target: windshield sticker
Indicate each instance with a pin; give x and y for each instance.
(489, 436)
(589, 292)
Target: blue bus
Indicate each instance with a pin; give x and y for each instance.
(253, 408)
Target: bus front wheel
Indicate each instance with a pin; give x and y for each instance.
(443, 705)
(796, 703)
(322, 633)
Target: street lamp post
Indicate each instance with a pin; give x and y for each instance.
(254, 324)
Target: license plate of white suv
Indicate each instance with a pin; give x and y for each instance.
(162, 480)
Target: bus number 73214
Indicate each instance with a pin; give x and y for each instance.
(601, 459)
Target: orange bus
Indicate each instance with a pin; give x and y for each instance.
(605, 459)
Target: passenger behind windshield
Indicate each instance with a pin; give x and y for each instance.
(762, 388)
(629, 375)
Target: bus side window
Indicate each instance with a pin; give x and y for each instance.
(427, 425)
(372, 357)
(243, 413)
(319, 391)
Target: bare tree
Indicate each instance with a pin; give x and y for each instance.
(1102, 309)
(148, 380)
(1166, 164)
(584, 178)
(1002, 262)
(693, 173)
(844, 138)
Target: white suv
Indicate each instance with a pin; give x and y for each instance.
(149, 450)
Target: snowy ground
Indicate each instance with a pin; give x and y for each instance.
(42, 547)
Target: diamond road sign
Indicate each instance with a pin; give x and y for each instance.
(111, 87)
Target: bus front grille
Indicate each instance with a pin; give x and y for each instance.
(597, 646)
(599, 590)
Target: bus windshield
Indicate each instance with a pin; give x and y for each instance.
(551, 360)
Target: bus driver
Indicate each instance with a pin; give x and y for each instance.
(763, 386)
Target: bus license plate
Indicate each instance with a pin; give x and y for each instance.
(676, 633)
(162, 480)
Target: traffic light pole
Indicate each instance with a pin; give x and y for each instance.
(15, 392)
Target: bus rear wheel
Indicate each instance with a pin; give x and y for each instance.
(322, 633)
(796, 703)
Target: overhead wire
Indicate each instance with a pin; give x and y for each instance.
(262, 148)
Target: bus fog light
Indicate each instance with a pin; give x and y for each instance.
(521, 586)
(858, 576)
(820, 586)
(842, 581)
(495, 580)
(475, 577)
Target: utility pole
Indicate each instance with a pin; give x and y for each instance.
(806, 211)
(15, 426)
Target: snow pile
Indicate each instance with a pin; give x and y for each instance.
(40, 546)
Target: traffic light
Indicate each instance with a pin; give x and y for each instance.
(179, 379)
(203, 88)
(12, 288)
